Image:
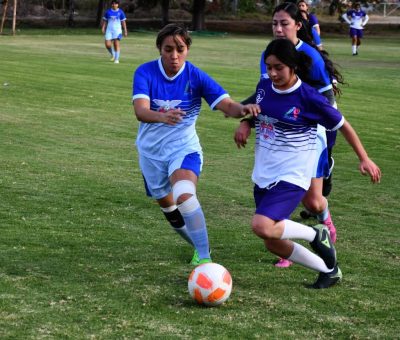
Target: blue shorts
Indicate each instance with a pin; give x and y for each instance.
(156, 173)
(321, 166)
(113, 36)
(278, 201)
(354, 32)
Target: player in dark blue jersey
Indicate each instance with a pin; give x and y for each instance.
(113, 21)
(167, 96)
(286, 132)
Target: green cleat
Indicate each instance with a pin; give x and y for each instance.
(326, 280)
(323, 245)
(202, 261)
(196, 259)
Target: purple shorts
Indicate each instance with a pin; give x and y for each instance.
(278, 201)
(354, 32)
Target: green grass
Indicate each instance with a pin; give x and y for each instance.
(83, 252)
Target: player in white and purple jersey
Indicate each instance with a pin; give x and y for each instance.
(285, 151)
(113, 21)
(357, 19)
(287, 23)
(167, 95)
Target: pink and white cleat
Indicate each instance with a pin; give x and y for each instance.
(283, 263)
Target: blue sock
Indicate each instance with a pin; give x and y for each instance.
(116, 55)
(196, 225)
(110, 50)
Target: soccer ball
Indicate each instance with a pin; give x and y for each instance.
(210, 284)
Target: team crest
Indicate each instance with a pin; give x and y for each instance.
(267, 130)
(166, 105)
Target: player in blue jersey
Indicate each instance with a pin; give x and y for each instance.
(311, 30)
(312, 18)
(357, 19)
(167, 95)
(113, 21)
(287, 23)
(286, 132)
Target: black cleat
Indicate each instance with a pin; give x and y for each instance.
(323, 245)
(326, 280)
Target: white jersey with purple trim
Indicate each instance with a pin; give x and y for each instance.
(114, 19)
(286, 133)
(185, 91)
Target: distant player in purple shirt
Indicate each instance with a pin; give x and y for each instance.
(285, 150)
(357, 19)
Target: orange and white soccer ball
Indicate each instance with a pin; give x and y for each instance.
(210, 284)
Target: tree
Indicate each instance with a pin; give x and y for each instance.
(71, 13)
(165, 12)
(99, 15)
(198, 15)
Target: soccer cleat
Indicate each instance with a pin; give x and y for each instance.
(326, 280)
(283, 263)
(323, 245)
(112, 59)
(202, 261)
(116, 61)
(331, 227)
(195, 261)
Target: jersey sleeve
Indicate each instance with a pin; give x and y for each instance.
(141, 84)
(122, 15)
(325, 114)
(211, 91)
(313, 20)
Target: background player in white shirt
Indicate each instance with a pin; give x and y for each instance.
(113, 21)
(167, 95)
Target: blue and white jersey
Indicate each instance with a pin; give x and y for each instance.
(318, 72)
(356, 18)
(185, 91)
(114, 19)
(286, 133)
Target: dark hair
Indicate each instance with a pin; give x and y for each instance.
(114, 2)
(293, 11)
(174, 30)
(286, 52)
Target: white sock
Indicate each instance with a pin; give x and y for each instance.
(294, 230)
(354, 48)
(307, 258)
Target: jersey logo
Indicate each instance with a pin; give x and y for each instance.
(292, 114)
(166, 105)
(260, 95)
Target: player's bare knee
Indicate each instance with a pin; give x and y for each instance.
(263, 230)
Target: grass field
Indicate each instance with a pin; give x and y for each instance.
(83, 252)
